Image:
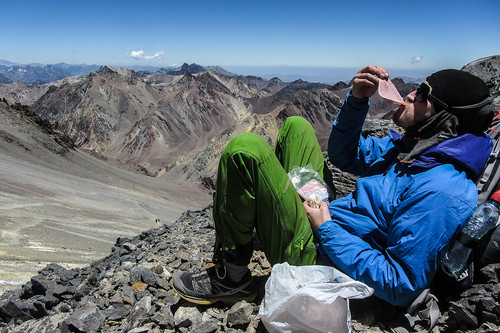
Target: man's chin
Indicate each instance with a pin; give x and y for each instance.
(396, 116)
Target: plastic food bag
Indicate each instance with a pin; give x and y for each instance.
(309, 184)
(309, 299)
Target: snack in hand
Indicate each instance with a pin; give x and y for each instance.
(314, 202)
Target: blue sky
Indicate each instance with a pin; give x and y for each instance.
(286, 36)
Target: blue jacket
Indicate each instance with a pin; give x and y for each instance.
(391, 232)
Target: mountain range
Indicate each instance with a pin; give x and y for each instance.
(174, 121)
(177, 121)
(36, 74)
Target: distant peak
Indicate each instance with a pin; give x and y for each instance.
(105, 69)
(185, 68)
(187, 77)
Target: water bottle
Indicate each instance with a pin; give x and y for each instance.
(483, 219)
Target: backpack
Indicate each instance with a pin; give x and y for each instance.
(488, 250)
(425, 307)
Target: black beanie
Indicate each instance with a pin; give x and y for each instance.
(460, 89)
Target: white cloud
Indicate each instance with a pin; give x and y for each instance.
(157, 55)
(137, 54)
(140, 55)
(416, 60)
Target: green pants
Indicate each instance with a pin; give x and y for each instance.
(253, 191)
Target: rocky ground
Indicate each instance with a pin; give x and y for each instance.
(130, 291)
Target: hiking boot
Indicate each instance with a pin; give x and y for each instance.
(208, 287)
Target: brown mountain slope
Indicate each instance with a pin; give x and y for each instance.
(133, 119)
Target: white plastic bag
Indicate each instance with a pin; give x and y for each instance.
(309, 299)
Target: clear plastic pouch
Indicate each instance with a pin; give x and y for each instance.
(309, 184)
(309, 299)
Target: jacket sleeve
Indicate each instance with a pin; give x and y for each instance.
(417, 234)
(347, 149)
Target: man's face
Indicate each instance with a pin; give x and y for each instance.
(413, 111)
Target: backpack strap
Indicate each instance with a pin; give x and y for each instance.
(489, 181)
(424, 307)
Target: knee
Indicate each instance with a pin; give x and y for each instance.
(295, 126)
(296, 121)
(247, 143)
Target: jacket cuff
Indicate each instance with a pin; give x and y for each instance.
(361, 104)
(321, 230)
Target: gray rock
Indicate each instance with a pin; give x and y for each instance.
(129, 247)
(63, 292)
(142, 329)
(491, 273)
(164, 318)
(62, 273)
(40, 285)
(140, 312)
(207, 326)
(463, 314)
(16, 309)
(116, 313)
(38, 310)
(239, 314)
(142, 273)
(186, 316)
(88, 319)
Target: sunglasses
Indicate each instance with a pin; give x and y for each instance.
(424, 92)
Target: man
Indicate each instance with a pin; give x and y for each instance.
(414, 194)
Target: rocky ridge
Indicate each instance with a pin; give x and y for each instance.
(19, 118)
(488, 69)
(130, 291)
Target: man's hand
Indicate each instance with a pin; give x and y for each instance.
(317, 216)
(366, 81)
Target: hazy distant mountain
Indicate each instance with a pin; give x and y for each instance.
(220, 70)
(185, 68)
(39, 74)
(4, 79)
(77, 69)
(7, 63)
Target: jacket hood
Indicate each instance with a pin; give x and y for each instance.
(468, 153)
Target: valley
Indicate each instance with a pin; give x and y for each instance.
(62, 205)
